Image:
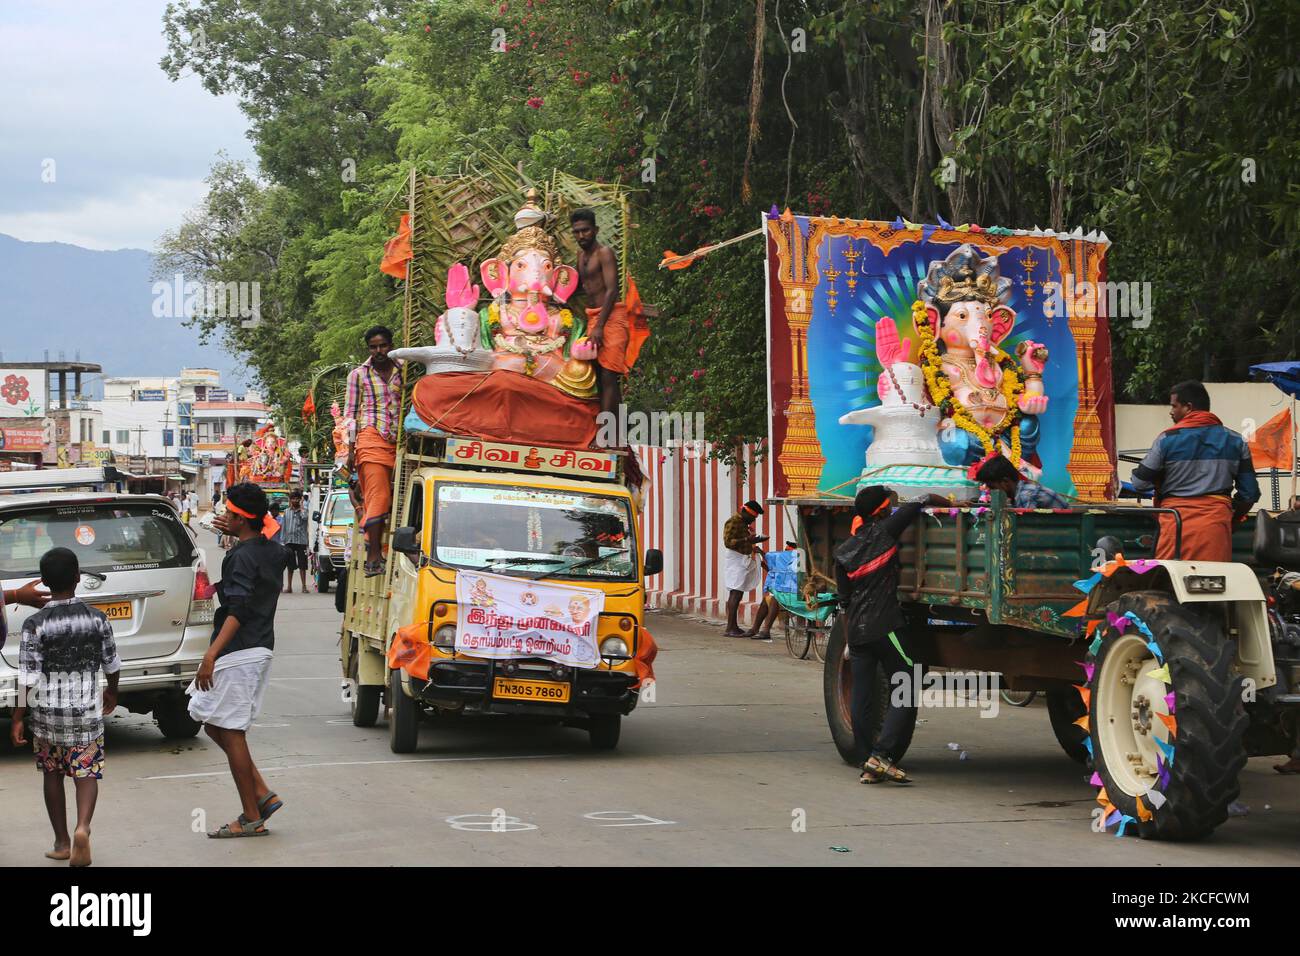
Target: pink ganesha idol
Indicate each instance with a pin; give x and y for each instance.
(527, 326)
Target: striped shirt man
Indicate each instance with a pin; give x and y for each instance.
(375, 401)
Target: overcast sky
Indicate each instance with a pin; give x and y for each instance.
(82, 87)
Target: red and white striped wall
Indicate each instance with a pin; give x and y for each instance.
(686, 501)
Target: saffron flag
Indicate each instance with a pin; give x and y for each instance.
(411, 650)
(1273, 445)
(397, 250)
(308, 407)
(639, 329)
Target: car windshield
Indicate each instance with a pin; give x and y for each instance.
(538, 533)
(341, 511)
(112, 536)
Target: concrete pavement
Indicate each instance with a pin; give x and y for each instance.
(720, 769)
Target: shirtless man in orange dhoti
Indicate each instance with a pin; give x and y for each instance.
(608, 325)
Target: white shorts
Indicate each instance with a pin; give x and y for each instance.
(235, 698)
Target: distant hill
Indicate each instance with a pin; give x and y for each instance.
(67, 299)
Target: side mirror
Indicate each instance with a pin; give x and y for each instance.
(406, 541)
(654, 561)
(315, 516)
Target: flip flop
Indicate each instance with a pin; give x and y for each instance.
(1285, 769)
(269, 804)
(225, 833)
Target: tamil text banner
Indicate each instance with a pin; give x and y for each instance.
(504, 617)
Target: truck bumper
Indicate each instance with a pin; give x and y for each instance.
(469, 683)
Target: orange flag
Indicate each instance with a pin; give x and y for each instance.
(682, 261)
(411, 650)
(1274, 443)
(644, 661)
(639, 329)
(397, 250)
(308, 407)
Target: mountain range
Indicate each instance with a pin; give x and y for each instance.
(69, 300)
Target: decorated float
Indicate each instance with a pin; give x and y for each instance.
(945, 344)
(507, 360)
(902, 354)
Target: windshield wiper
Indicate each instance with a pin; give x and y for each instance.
(552, 559)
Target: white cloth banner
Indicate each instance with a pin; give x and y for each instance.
(501, 617)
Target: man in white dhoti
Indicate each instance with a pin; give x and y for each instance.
(741, 570)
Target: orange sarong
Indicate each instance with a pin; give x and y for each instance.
(1207, 528)
(612, 354)
(375, 460)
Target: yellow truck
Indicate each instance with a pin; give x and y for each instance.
(559, 527)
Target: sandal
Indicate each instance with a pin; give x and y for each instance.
(877, 770)
(374, 568)
(225, 833)
(269, 804)
(1290, 767)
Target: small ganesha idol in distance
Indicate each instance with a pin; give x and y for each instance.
(455, 334)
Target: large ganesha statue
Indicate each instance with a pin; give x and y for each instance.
(964, 398)
(526, 327)
(990, 402)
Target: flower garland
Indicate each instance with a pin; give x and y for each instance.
(942, 394)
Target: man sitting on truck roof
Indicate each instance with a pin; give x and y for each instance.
(1192, 467)
(374, 402)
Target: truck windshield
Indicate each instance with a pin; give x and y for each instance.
(537, 532)
(341, 511)
(116, 536)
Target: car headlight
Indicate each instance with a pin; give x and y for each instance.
(1206, 583)
(613, 647)
(445, 636)
(336, 540)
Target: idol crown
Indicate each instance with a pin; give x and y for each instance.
(964, 276)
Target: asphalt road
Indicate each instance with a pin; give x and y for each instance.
(721, 768)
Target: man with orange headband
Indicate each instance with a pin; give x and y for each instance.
(866, 573)
(374, 402)
(226, 695)
(740, 568)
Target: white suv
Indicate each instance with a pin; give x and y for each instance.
(149, 578)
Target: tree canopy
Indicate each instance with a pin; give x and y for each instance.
(1167, 123)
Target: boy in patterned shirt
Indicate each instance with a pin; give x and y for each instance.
(64, 647)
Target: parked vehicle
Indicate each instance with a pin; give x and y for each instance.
(140, 567)
(332, 526)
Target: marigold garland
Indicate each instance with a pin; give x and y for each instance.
(941, 392)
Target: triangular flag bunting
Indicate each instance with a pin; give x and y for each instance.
(1085, 694)
(1091, 626)
(1095, 646)
(1161, 673)
(1143, 813)
(1162, 780)
(1114, 817)
(1169, 701)
(1124, 821)
(1087, 743)
(1088, 668)
(1096, 781)
(1167, 749)
(1157, 798)
(1170, 722)
(1082, 724)
(1078, 610)
(1154, 648)
(1102, 798)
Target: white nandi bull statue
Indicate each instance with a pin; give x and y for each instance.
(456, 333)
(904, 453)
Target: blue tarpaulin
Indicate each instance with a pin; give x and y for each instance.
(1285, 375)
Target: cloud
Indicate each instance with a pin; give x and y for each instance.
(131, 147)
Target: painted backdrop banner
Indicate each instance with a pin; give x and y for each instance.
(500, 616)
(829, 282)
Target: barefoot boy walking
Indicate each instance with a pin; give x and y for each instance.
(64, 647)
(231, 681)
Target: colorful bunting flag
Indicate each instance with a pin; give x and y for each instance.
(1157, 798)
(1170, 722)
(1143, 813)
(1161, 674)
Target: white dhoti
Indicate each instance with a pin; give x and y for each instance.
(740, 572)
